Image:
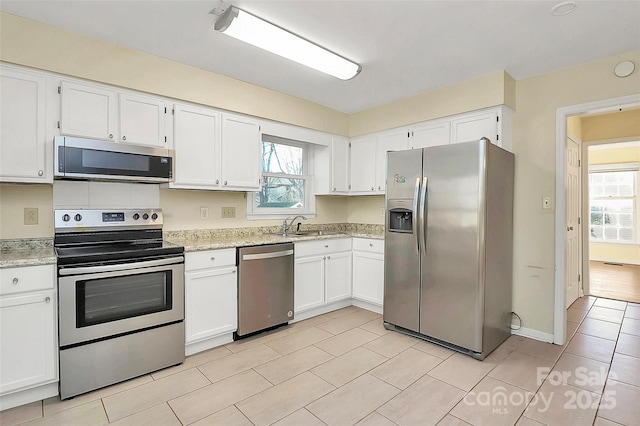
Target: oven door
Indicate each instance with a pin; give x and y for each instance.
(98, 302)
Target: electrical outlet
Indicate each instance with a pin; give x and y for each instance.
(546, 203)
(228, 212)
(30, 215)
(204, 213)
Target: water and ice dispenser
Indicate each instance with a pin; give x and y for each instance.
(400, 220)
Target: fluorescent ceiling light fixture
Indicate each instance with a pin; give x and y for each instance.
(249, 28)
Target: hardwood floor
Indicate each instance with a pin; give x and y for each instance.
(615, 281)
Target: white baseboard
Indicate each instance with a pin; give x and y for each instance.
(534, 334)
(204, 345)
(373, 307)
(300, 316)
(29, 395)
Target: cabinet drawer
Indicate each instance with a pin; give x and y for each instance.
(30, 278)
(333, 245)
(368, 244)
(209, 259)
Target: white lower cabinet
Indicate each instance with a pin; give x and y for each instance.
(211, 299)
(322, 273)
(28, 335)
(368, 270)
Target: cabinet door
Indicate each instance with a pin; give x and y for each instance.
(337, 277)
(431, 134)
(389, 141)
(368, 277)
(88, 111)
(308, 283)
(476, 126)
(362, 160)
(197, 147)
(28, 345)
(210, 303)
(241, 153)
(142, 120)
(339, 165)
(23, 129)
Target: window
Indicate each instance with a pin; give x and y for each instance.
(286, 186)
(613, 203)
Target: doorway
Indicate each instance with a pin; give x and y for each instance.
(560, 275)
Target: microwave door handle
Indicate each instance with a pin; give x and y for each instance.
(423, 213)
(416, 216)
(120, 267)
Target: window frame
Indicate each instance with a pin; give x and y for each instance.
(618, 167)
(256, 213)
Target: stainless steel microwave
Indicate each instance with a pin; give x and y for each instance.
(87, 159)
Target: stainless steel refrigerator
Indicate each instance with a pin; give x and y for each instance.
(449, 244)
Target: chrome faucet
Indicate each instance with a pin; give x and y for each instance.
(286, 227)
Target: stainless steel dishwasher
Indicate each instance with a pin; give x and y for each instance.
(265, 287)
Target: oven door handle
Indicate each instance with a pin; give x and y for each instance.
(121, 267)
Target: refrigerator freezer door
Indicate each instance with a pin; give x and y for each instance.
(451, 300)
(401, 255)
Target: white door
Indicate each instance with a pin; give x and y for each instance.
(308, 283)
(339, 165)
(475, 126)
(362, 159)
(431, 134)
(241, 153)
(337, 277)
(88, 111)
(392, 141)
(368, 277)
(573, 252)
(142, 120)
(23, 129)
(197, 147)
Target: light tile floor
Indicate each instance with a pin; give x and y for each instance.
(344, 368)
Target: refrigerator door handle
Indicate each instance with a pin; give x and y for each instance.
(423, 214)
(416, 217)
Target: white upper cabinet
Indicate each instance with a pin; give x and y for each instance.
(241, 153)
(23, 133)
(431, 133)
(96, 112)
(142, 120)
(339, 165)
(197, 146)
(88, 111)
(474, 126)
(395, 140)
(363, 165)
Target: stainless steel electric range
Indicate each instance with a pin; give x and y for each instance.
(121, 297)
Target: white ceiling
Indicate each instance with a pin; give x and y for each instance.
(405, 47)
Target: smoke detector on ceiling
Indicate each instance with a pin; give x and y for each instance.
(564, 8)
(624, 69)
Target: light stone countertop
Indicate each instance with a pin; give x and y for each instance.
(33, 252)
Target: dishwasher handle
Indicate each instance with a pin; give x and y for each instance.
(271, 255)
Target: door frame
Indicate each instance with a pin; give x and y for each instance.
(559, 311)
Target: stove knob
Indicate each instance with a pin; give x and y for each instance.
(136, 216)
(78, 217)
(66, 218)
(145, 216)
(154, 216)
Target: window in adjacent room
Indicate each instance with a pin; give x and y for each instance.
(613, 200)
(286, 185)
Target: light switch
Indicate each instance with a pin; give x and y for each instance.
(228, 212)
(204, 213)
(546, 203)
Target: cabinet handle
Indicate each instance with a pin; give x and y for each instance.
(370, 244)
(234, 271)
(110, 135)
(372, 188)
(40, 173)
(334, 188)
(47, 299)
(225, 182)
(217, 181)
(328, 257)
(326, 246)
(213, 258)
(15, 280)
(124, 138)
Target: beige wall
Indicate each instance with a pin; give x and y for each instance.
(615, 252)
(534, 144)
(497, 88)
(33, 44)
(616, 125)
(14, 199)
(366, 209)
